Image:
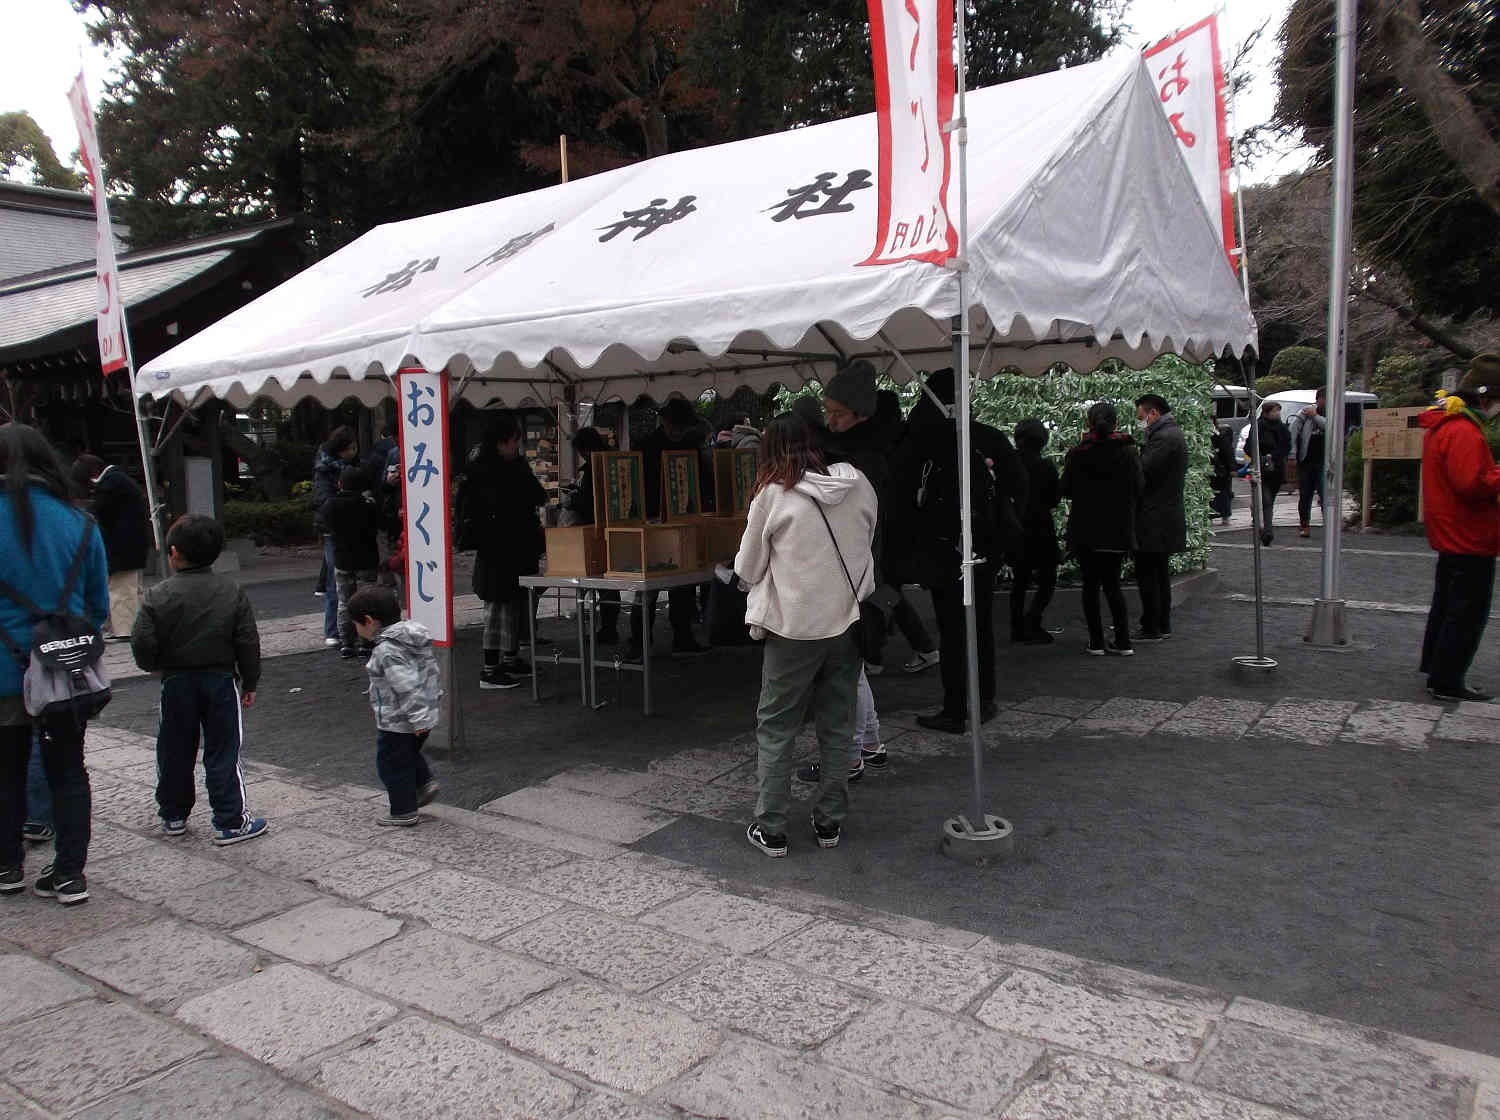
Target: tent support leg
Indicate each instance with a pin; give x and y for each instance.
(976, 835)
(1258, 660)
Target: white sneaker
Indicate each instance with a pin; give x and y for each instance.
(922, 661)
(330, 641)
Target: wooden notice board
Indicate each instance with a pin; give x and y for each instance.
(1390, 433)
(1393, 433)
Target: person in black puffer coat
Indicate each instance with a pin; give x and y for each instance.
(1161, 521)
(339, 450)
(926, 528)
(1039, 556)
(1103, 479)
(353, 522)
(498, 505)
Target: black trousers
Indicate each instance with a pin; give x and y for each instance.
(1310, 482)
(1153, 574)
(198, 706)
(909, 622)
(1270, 486)
(682, 610)
(1101, 574)
(1035, 567)
(68, 780)
(609, 612)
(1462, 590)
(402, 769)
(948, 603)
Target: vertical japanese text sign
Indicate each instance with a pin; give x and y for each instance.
(1189, 81)
(912, 44)
(111, 311)
(423, 415)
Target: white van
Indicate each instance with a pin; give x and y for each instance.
(1293, 401)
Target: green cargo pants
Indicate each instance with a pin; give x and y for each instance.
(798, 677)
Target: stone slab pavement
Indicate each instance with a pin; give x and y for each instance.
(486, 964)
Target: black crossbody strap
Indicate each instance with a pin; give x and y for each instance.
(817, 505)
(75, 569)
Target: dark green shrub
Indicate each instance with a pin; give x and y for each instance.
(1303, 366)
(274, 523)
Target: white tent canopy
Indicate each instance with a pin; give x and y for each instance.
(1087, 240)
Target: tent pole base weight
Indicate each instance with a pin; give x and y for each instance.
(1252, 661)
(963, 842)
(1329, 628)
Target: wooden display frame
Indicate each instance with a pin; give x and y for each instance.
(642, 551)
(735, 469)
(681, 485)
(615, 472)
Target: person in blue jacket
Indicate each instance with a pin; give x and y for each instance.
(40, 533)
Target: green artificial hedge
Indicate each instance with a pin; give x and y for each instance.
(1060, 401)
(275, 523)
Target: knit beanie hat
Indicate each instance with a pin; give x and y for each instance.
(854, 388)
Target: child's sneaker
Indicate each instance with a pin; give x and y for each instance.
(249, 829)
(69, 891)
(348, 653)
(37, 833)
(828, 834)
(174, 828)
(398, 820)
(12, 879)
(428, 793)
(875, 759)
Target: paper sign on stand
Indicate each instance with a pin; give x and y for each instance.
(425, 487)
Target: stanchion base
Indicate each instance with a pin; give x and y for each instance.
(967, 844)
(1251, 661)
(1329, 628)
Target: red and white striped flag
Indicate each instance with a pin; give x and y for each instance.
(912, 44)
(1189, 81)
(111, 308)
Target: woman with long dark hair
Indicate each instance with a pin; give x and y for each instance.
(41, 535)
(1103, 479)
(806, 561)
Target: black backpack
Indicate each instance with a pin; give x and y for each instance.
(997, 527)
(63, 679)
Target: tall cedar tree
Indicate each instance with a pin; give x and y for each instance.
(1426, 199)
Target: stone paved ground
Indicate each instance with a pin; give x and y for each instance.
(487, 963)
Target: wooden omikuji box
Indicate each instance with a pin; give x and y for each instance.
(639, 551)
(720, 539)
(579, 550)
(681, 485)
(575, 550)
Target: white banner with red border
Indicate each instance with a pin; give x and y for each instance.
(425, 489)
(1189, 79)
(111, 311)
(912, 45)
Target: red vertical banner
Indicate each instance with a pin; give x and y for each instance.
(912, 45)
(111, 310)
(422, 413)
(1189, 79)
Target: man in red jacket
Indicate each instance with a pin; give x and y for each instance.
(1461, 493)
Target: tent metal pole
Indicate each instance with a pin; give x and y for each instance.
(148, 469)
(1329, 626)
(979, 834)
(1258, 660)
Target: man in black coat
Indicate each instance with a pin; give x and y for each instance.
(1161, 520)
(119, 506)
(679, 430)
(925, 519)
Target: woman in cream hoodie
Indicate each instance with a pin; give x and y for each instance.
(805, 517)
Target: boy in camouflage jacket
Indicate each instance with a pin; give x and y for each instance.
(405, 692)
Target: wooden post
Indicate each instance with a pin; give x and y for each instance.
(1364, 499)
(562, 147)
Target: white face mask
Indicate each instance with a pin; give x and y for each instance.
(1491, 410)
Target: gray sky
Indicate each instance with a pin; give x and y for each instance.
(53, 44)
